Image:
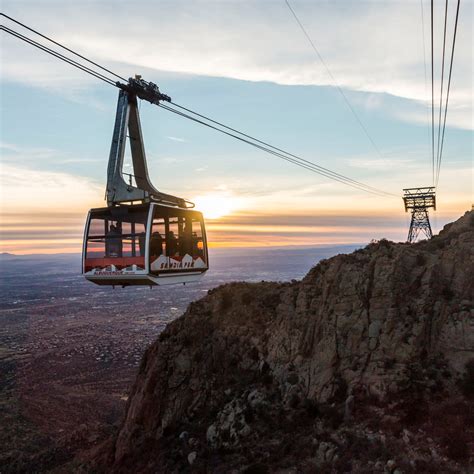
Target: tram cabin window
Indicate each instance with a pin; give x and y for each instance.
(117, 236)
(179, 240)
(157, 238)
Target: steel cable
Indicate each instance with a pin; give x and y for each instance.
(432, 97)
(311, 167)
(424, 63)
(334, 79)
(310, 163)
(62, 46)
(58, 55)
(442, 81)
(447, 92)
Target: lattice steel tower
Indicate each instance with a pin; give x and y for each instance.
(419, 200)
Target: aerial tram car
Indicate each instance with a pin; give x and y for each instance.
(143, 236)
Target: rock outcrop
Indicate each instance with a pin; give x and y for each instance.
(366, 365)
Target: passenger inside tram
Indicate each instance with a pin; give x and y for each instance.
(156, 244)
(185, 241)
(113, 241)
(141, 243)
(172, 244)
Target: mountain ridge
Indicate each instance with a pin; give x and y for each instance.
(347, 370)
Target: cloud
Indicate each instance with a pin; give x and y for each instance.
(176, 139)
(167, 160)
(374, 47)
(382, 163)
(43, 211)
(27, 191)
(14, 153)
(39, 156)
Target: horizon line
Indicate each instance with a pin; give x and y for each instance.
(219, 249)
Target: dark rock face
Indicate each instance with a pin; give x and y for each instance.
(366, 365)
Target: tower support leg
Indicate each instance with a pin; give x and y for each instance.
(420, 223)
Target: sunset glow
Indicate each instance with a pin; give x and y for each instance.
(214, 206)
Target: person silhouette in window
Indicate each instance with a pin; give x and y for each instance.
(156, 245)
(172, 244)
(185, 241)
(141, 243)
(113, 242)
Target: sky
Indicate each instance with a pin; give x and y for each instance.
(247, 64)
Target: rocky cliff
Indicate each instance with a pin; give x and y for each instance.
(366, 365)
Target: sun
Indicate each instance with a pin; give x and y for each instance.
(214, 206)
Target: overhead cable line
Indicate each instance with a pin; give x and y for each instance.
(333, 79)
(432, 97)
(424, 63)
(310, 163)
(264, 146)
(62, 46)
(58, 55)
(342, 179)
(447, 92)
(442, 83)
